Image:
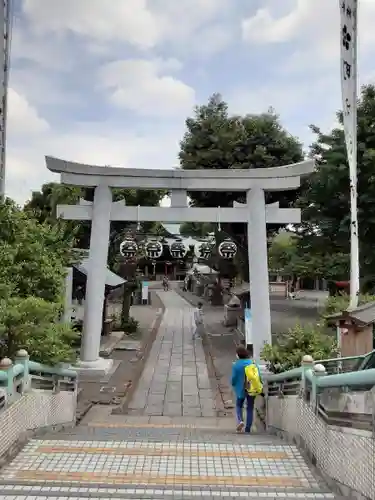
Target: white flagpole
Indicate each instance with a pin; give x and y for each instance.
(348, 62)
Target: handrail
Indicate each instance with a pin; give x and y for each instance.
(23, 375)
(347, 358)
(297, 372)
(18, 370)
(352, 379)
(280, 377)
(52, 370)
(306, 393)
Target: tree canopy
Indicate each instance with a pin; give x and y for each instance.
(215, 139)
(43, 205)
(289, 253)
(32, 282)
(196, 229)
(325, 198)
(35, 254)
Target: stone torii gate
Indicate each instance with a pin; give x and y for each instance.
(102, 211)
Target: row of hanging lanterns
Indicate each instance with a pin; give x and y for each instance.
(153, 249)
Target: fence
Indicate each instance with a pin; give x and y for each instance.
(33, 396)
(331, 417)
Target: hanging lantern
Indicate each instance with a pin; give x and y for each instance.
(128, 248)
(153, 249)
(178, 249)
(203, 250)
(227, 249)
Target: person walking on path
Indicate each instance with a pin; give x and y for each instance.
(239, 384)
(166, 283)
(199, 321)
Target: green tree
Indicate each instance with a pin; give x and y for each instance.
(214, 139)
(283, 252)
(43, 203)
(325, 198)
(196, 229)
(43, 207)
(32, 280)
(291, 253)
(35, 254)
(288, 351)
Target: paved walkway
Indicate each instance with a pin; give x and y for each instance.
(175, 381)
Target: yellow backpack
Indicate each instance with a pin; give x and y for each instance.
(253, 382)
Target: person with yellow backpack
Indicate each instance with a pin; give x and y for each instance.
(247, 384)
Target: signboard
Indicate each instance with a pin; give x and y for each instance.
(144, 291)
(278, 288)
(248, 327)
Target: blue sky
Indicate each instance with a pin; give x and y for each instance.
(111, 82)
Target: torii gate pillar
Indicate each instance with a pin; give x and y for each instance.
(179, 182)
(95, 284)
(258, 270)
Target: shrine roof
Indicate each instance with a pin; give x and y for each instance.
(362, 315)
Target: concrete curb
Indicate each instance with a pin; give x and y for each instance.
(145, 350)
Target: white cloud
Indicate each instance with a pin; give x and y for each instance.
(100, 20)
(303, 39)
(23, 119)
(102, 145)
(98, 143)
(263, 27)
(143, 86)
(142, 23)
(313, 25)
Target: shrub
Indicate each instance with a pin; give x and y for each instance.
(289, 349)
(338, 303)
(33, 324)
(131, 325)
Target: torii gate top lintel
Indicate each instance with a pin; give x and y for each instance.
(270, 179)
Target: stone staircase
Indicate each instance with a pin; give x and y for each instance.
(132, 458)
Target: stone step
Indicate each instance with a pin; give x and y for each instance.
(124, 432)
(61, 492)
(166, 461)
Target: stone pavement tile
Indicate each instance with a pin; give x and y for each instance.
(153, 410)
(173, 397)
(155, 400)
(191, 412)
(176, 369)
(172, 408)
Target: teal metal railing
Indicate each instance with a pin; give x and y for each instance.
(348, 364)
(311, 380)
(330, 416)
(22, 375)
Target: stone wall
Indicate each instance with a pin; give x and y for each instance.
(344, 456)
(34, 411)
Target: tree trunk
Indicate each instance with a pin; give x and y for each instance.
(10, 345)
(105, 310)
(125, 311)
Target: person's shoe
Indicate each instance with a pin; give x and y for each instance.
(247, 431)
(240, 427)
